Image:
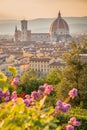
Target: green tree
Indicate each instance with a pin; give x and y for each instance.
(53, 77)
(27, 76)
(75, 73)
(28, 82)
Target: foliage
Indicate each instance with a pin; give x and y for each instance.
(53, 77)
(27, 76)
(78, 112)
(28, 82)
(29, 113)
(2, 77)
(3, 80)
(20, 117)
(74, 74)
(13, 70)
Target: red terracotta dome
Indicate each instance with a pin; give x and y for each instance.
(59, 24)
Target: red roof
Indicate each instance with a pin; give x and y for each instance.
(59, 23)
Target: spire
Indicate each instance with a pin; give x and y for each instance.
(15, 28)
(59, 14)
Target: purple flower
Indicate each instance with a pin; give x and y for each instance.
(15, 82)
(14, 96)
(7, 98)
(59, 103)
(27, 102)
(1, 93)
(66, 107)
(69, 127)
(7, 93)
(74, 122)
(41, 94)
(73, 93)
(62, 106)
(34, 95)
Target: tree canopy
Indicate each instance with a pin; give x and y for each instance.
(75, 73)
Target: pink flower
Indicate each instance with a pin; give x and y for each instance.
(73, 93)
(15, 81)
(45, 89)
(74, 122)
(28, 100)
(59, 103)
(45, 85)
(48, 89)
(41, 89)
(14, 96)
(66, 107)
(69, 127)
(27, 96)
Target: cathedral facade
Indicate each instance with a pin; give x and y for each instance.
(59, 31)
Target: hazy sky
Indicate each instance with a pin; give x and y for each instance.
(30, 9)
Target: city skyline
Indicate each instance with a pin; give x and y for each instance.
(27, 9)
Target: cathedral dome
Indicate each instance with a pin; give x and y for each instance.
(59, 30)
(59, 25)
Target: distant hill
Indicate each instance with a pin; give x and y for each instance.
(76, 24)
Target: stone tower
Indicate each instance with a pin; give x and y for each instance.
(24, 30)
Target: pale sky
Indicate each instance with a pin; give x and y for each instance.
(31, 9)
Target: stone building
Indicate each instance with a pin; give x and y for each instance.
(41, 65)
(40, 37)
(59, 30)
(24, 34)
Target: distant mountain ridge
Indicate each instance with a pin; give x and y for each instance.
(76, 24)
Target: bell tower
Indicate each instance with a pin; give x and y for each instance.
(24, 30)
(24, 25)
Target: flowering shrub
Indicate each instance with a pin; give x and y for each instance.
(27, 112)
(73, 93)
(15, 82)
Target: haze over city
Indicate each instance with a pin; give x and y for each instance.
(31, 9)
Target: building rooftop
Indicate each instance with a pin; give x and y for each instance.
(41, 59)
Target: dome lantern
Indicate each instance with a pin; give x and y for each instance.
(59, 14)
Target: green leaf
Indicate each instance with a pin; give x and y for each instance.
(3, 78)
(12, 70)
